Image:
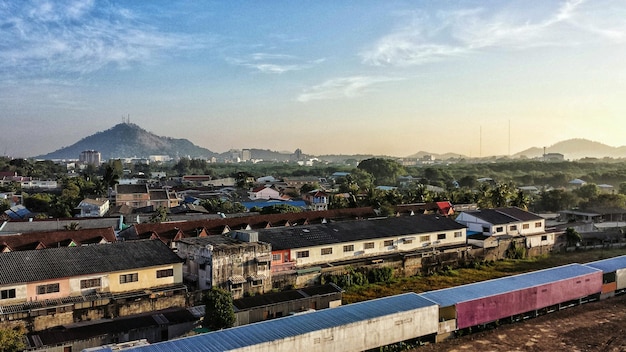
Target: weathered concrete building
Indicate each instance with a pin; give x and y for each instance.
(237, 262)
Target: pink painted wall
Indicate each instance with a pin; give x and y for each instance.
(64, 290)
(488, 309)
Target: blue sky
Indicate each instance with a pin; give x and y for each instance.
(377, 77)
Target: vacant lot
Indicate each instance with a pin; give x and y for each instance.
(597, 326)
(468, 275)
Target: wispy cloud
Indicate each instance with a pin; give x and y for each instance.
(343, 87)
(47, 38)
(274, 63)
(429, 37)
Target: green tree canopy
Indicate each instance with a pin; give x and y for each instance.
(12, 337)
(219, 311)
(385, 171)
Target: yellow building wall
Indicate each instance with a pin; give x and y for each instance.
(147, 278)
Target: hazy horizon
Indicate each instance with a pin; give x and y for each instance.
(385, 78)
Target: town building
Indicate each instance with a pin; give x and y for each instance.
(55, 286)
(238, 263)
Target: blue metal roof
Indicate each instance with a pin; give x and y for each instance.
(451, 296)
(270, 330)
(609, 265)
(269, 203)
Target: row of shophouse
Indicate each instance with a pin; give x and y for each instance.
(148, 267)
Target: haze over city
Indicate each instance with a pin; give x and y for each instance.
(367, 77)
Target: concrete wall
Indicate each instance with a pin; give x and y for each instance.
(380, 246)
(359, 336)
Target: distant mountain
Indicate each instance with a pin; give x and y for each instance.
(577, 148)
(130, 140)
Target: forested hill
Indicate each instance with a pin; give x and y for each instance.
(130, 140)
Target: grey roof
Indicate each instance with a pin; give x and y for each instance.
(519, 214)
(45, 264)
(129, 189)
(291, 326)
(37, 225)
(493, 216)
(349, 231)
(451, 296)
(609, 265)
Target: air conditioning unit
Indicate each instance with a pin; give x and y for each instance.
(426, 244)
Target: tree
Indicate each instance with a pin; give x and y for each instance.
(385, 171)
(219, 311)
(572, 237)
(12, 337)
(280, 209)
(557, 199)
(160, 215)
(521, 200)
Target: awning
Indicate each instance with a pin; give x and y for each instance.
(257, 277)
(237, 279)
(264, 258)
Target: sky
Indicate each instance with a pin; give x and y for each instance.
(390, 77)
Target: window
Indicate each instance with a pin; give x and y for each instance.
(348, 248)
(538, 224)
(485, 229)
(126, 278)
(458, 234)
(368, 245)
(302, 254)
(441, 236)
(236, 286)
(408, 241)
(525, 226)
(388, 243)
(544, 237)
(90, 283)
(276, 257)
(257, 282)
(165, 273)
(513, 228)
(45, 289)
(7, 294)
(499, 229)
(425, 238)
(326, 251)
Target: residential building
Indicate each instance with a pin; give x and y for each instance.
(263, 192)
(56, 239)
(36, 288)
(304, 246)
(136, 196)
(317, 200)
(237, 263)
(92, 207)
(91, 157)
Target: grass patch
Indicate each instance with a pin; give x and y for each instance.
(485, 271)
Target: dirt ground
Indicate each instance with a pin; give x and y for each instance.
(595, 326)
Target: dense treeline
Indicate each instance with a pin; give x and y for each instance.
(458, 183)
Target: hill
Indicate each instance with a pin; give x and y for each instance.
(577, 148)
(129, 140)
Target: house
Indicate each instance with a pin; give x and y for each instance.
(35, 287)
(92, 207)
(263, 192)
(305, 246)
(135, 196)
(317, 200)
(487, 227)
(163, 198)
(297, 182)
(237, 263)
(140, 196)
(55, 239)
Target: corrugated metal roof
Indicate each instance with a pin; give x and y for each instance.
(270, 330)
(451, 296)
(609, 265)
